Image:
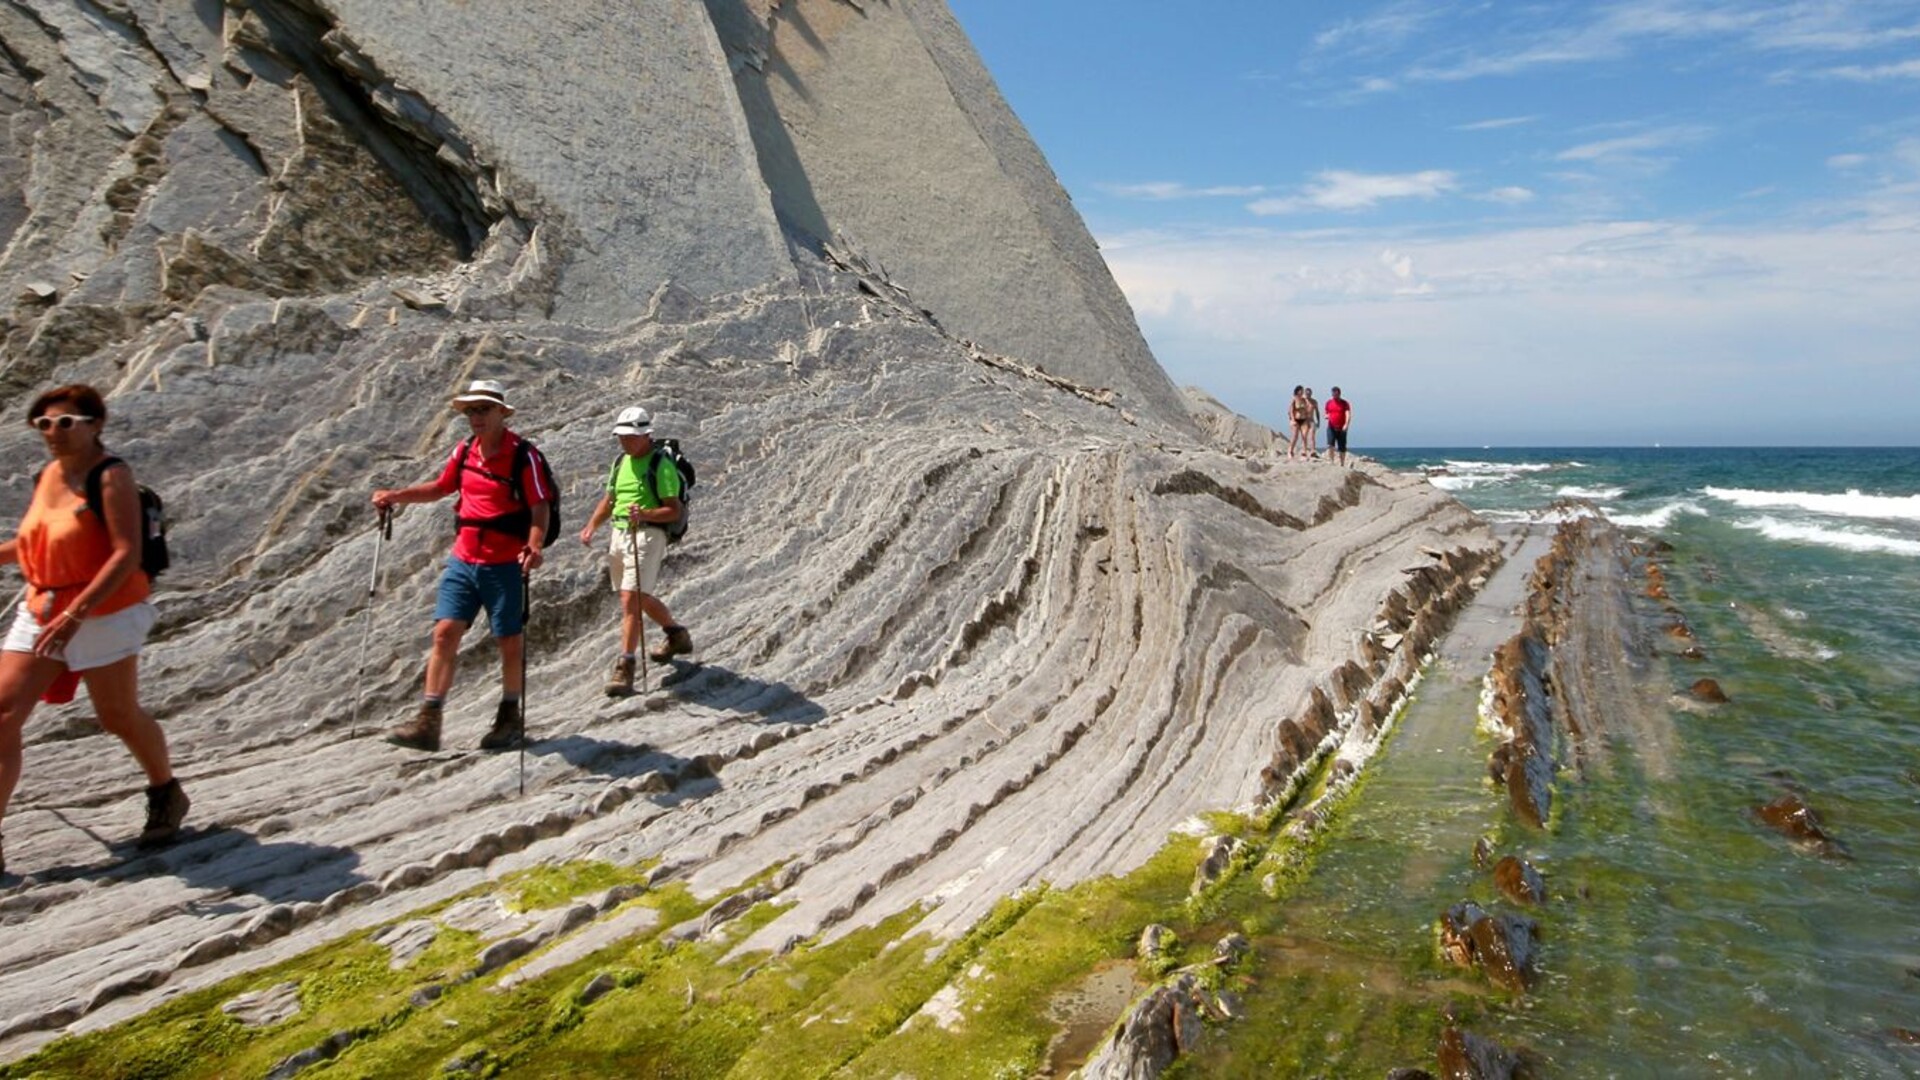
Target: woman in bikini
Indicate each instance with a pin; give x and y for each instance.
(86, 615)
(1300, 414)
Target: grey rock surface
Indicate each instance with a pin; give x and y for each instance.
(970, 617)
(263, 1008)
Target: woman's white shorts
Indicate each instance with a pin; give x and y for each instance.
(101, 640)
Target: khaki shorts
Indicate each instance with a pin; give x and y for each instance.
(636, 575)
(102, 640)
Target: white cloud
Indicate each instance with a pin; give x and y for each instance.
(1495, 124)
(1511, 195)
(1382, 31)
(1846, 161)
(1164, 190)
(1545, 35)
(1341, 190)
(1632, 148)
(1568, 325)
(1905, 69)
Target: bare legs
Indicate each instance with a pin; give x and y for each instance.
(445, 654)
(632, 606)
(114, 691)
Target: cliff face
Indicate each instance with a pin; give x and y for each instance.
(977, 606)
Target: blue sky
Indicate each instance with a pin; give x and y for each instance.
(1676, 221)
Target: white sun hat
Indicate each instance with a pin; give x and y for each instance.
(633, 420)
(483, 390)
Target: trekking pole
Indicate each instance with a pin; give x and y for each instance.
(526, 621)
(633, 552)
(382, 533)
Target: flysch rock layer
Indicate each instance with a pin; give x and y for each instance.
(965, 624)
(878, 127)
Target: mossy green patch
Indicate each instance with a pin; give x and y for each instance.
(542, 887)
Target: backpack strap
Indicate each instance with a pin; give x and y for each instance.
(96, 501)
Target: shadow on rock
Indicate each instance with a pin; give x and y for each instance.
(726, 690)
(225, 859)
(622, 761)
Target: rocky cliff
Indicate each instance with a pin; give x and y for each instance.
(980, 603)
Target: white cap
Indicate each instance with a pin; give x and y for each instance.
(633, 420)
(484, 390)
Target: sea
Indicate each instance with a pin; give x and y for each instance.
(1682, 937)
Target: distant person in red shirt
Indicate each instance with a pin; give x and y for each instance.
(1339, 415)
(501, 518)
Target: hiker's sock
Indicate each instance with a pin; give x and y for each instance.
(627, 656)
(434, 699)
(509, 699)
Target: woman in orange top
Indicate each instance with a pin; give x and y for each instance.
(86, 611)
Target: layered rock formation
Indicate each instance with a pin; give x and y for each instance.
(978, 607)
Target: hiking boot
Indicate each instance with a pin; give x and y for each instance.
(678, 643)
(166, 809)
(620, 679)
(506, 732)
(420, 733)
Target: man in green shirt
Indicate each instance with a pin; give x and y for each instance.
(642, 499)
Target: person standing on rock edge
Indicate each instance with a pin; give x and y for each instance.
(86, 613)
(1300, 415)
(500, 517)
(642, 499)
(1313, 435)
(1339, 415)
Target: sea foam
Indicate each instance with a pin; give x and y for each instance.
(1602, 494)
(1658, 518)
(1845, 540)
(1853, 504)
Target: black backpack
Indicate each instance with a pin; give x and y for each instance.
(153, 517)
(669, 449)
(519, 523)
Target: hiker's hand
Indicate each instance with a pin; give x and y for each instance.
(633, 515)
(53, 638)
(530, 558)
(586, 536)
(383, 499)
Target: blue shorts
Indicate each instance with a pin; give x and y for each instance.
(467, 587)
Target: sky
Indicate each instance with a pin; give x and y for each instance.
(1684, 222)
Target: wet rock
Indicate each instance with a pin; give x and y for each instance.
(1156, 943)
(598, 987)
(1466, 1056)
(1157, 1030)
(294, 1064)
(1482, 853)
(1232, 949)
(263, 1008)
(1519, 881)
(1907, 1036)
(1502, 946)
(1692, 652)
(1790, 816)
(406, 940)
(1409, 1074)
(1220, 853)
(1708, 691)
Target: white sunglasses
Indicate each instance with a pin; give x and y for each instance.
(64, 421)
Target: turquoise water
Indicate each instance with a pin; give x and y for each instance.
(1682, 938)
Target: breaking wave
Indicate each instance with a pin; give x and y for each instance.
(1454, 475)
(1602, 494)
(1658, 518)
(1853, 504)
(1843, 539)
